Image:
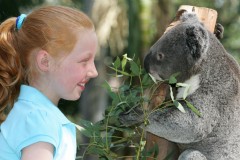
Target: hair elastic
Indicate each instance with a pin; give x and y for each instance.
(20, 20)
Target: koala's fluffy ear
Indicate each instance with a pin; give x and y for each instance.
(197, 40)
(197, 37)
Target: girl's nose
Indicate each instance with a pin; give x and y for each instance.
(92, 72)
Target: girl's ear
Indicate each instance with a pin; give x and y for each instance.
(42, 58)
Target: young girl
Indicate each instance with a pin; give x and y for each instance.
(44, 56)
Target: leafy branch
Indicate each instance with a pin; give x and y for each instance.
(108, 138)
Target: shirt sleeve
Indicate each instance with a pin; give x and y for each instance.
(35, 126)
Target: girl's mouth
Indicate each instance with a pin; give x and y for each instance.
(82, 85)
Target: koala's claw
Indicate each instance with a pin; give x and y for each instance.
(218, 31)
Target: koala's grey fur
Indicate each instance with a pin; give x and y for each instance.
(202, 61)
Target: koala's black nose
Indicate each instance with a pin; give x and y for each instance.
(147, 62)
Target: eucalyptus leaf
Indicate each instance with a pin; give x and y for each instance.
(124, 88)
(84, 131)
(86, 123)
(122, 72)
(171, 93)
(97, 150)
(173, 79)
(134, 68)
(186, 90)
(182, 85)
(193, 108)
(117, 63)
(179, 106)
(147, 80)
(128, 131)
(153, 78)
(124, 62)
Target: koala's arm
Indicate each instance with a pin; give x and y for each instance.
(186, 127)
(176, 126)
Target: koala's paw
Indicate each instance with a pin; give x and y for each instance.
(192, 155)
(218, 31)
(131, 118)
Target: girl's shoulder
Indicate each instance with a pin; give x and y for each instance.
(27, 124)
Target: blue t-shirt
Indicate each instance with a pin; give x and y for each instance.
(34, 118)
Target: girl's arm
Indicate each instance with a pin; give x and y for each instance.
(38, 151)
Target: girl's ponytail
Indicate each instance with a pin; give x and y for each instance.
(10, 67)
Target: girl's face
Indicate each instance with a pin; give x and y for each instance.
(68, 78)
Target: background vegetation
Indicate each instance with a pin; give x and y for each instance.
(126, 26)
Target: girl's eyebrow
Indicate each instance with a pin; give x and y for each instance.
(83, 57)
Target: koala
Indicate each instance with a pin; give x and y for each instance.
(214, 76)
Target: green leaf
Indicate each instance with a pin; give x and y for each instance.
(128, 131)
(179, 106)
(86, 123)
(138, 62)
(193, 108)
(114, 96)
(122, 72)
(84, 131)
(97, 150)
(124, 62)
(134, 68)
(124, 88)
(182, 85)
(153, 78)
(117, 63)
(108, 135)
(187, 86)
(172, 79)
(147, 80)
(171, 93)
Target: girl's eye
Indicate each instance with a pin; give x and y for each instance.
(84, 61)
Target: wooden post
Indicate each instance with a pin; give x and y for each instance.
(208, 17)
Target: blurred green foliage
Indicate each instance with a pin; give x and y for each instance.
(147, 19)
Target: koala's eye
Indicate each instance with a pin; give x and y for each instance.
(160, 56)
